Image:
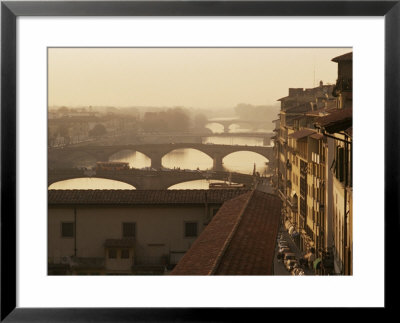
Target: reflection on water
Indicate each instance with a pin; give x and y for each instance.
(237, 140)
(201, 184)
(215, 127)
(187, 159)
(134, 158)
(90, 184)
(244, 162)
(241, 162)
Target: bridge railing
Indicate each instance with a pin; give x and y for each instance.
(136, 171)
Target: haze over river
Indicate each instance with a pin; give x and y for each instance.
(241, 162)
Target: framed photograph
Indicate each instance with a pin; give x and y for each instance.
(181, 160)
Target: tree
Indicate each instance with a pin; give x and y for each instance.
(98, 130)
(152, 122)
(177, 120)
(200, 121)
(63, 110)
(171, 120)
(63, 130)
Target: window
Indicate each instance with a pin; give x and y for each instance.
(124, 253)
(129, 230)
(67, 229)
(112, 253)
(191, 229)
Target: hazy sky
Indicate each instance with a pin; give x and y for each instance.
(190, 77)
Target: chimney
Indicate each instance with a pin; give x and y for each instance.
(321, 83)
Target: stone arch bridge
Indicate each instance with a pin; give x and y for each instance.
(156, 152)
(149, 180)
(226, 123)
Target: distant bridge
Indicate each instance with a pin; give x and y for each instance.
(149, 180)
(155, 152)
(259, 134)
(170, 137)
(228, 122)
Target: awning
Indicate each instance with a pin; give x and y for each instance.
(302, 133)
(291, 229)
(317, 263)
(317, 136)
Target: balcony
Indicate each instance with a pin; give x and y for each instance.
(342, 85)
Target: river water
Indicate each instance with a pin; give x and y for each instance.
(241, 162)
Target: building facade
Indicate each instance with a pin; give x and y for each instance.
(126, 231)
(313, 173)
(338, 132)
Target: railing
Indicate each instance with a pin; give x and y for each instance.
(343, 85)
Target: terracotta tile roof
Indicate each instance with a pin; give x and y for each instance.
(132, 197)
(302, 133)
(240, 239)
(344, 57)
(338, 120)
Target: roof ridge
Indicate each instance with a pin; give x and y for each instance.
(230, 237)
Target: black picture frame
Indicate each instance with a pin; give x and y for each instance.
(10, 10)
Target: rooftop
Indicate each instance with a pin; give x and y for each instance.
(294, 93)
(344, 57)
(135, 197)
(338, 120)
(302, 133)
(240, 239)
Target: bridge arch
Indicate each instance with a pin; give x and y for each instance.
(141, 179)
(194, 184)
(205, 160)
(254, 161)
(244, 150)
(89, 183)
(210, 123)
(228, 123)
